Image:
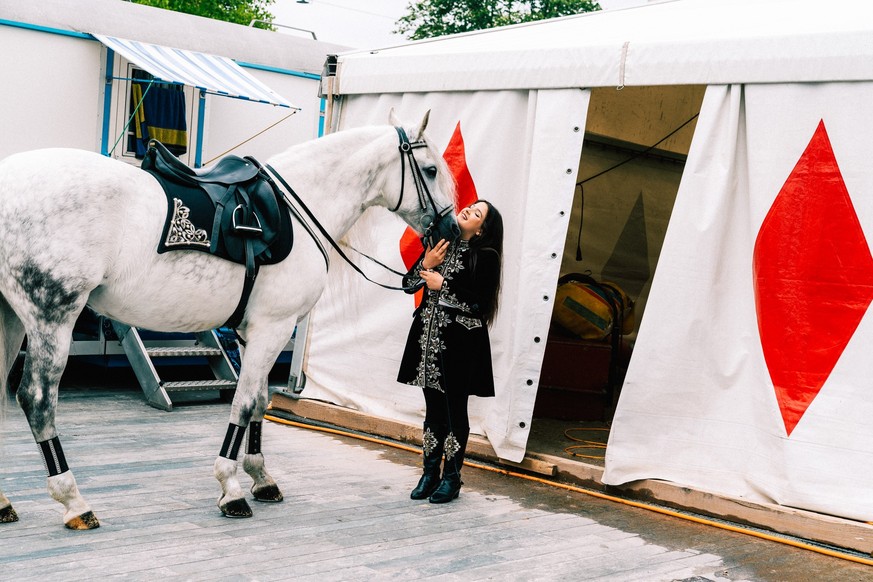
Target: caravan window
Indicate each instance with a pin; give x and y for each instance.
(155, 111)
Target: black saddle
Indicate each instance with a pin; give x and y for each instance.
(232, 210)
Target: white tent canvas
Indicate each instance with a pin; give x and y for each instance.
(745, 380)
(358, 330)
(764, 390)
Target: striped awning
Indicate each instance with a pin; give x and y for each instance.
(215, 74)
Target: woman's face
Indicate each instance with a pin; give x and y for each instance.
(471, 218)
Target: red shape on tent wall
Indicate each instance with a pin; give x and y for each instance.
(456, 159)
(813, 277)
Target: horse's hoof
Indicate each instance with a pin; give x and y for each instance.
(8, 515)
(268, 494)
(85, 521)
(236, 508)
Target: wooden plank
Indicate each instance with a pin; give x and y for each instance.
(346, 514)
(820, 528)
(477, 447)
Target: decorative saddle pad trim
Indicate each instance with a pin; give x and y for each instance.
(181, 231)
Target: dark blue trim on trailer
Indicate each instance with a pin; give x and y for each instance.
(280, 71)
(201, 119)
(107, 102)
(321, 113)
(48, 29)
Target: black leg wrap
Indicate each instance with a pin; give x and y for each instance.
(232, 441)
(53, 457)
(253, 447)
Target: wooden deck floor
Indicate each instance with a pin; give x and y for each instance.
(346, 514)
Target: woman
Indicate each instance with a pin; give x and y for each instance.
(448, 352)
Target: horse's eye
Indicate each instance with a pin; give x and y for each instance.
(431, 172)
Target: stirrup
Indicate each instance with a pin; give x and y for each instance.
(245, 229)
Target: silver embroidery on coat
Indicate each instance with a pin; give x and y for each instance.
(429, 442)
(452, 446)
(182, 231)
(468, 322)
(434, 319)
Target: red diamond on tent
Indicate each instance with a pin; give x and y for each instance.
(813, 278)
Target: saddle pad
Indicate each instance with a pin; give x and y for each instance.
(190, 219)
(188, 224)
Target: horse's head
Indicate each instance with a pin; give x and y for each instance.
(426, 191)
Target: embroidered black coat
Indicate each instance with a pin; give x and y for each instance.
(448, 347)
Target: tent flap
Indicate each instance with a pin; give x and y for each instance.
(751, 372)
(212, 73)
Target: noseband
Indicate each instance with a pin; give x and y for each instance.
(424, 196)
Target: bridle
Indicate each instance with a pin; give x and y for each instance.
(407, 153)
(424, 196)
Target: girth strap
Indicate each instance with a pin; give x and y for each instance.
(248, 284)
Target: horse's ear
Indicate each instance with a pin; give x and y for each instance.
(423, 125)
(392, 118)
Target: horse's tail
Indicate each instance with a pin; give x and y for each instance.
(11, 338)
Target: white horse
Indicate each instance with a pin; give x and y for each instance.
(78, 229)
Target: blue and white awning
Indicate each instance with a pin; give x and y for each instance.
(212, 73)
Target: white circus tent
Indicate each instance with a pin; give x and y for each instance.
(739, 226)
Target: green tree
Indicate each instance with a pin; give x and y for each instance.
(236, 11)
(430, 18)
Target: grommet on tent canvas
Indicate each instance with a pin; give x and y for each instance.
(211, 74)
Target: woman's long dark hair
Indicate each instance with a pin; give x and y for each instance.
(490, 240)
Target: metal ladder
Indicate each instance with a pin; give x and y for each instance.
(157, 391)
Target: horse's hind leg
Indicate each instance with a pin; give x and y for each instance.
(11, 338)
(49, 315)
(7, 513)
(247, 414)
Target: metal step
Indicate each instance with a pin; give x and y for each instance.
(193, 385)
(177, 352)
(156, 390)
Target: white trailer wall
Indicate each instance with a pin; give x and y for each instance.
(234, 126)
(49, 101)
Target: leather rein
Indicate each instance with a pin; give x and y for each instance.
(424, 197)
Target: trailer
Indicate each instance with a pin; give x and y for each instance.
(103, 75)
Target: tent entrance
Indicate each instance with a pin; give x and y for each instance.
(633, 156)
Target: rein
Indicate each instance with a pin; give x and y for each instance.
(424, 196)
(324, 233)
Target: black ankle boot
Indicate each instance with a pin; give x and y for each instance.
(432, 449)
(450, 487)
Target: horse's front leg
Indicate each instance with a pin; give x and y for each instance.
(264, 487)
(246, 416)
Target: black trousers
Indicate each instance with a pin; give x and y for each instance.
(447, 409)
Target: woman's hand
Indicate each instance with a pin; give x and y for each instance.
(435, 256)
(432, 279)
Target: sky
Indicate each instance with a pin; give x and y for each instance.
(357, 23)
